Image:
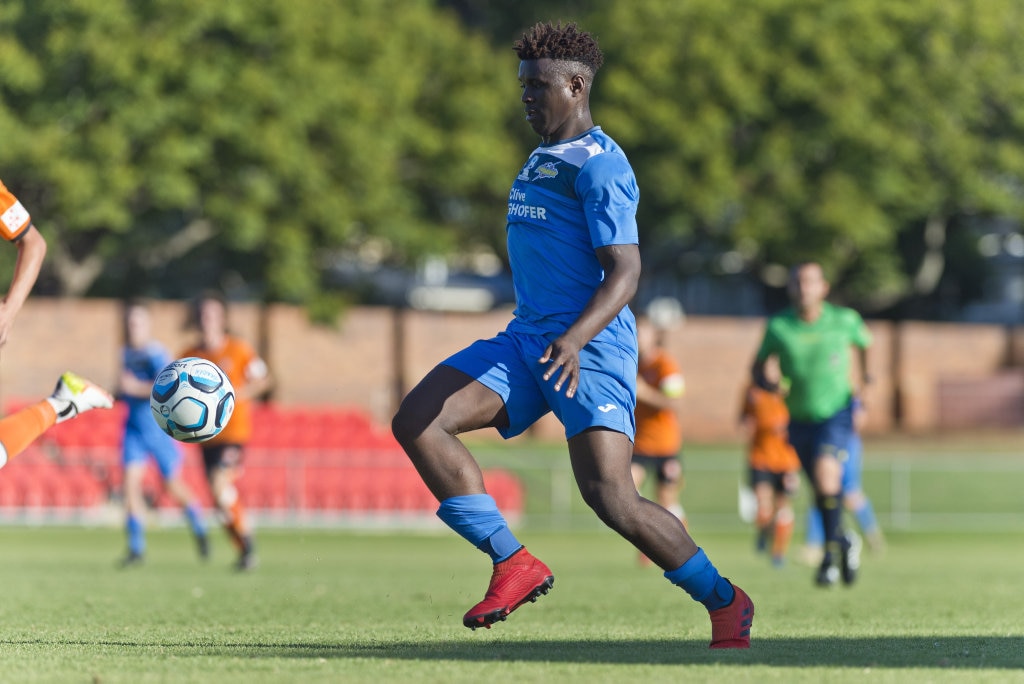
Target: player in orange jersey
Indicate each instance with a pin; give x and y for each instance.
(773, 464)
(73, 394)
(659, 436)
(222, 455)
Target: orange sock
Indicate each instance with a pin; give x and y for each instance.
(783, 533)
(236, 525)
(20, 429)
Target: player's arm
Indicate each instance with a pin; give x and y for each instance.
(621, 264)
(258, 379)
(129, 385)
(31, 247)
(664, 395)
(760, 376)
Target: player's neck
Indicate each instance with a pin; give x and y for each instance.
(811, 313)
(214, 341)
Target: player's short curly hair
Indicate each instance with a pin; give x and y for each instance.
(566, 43)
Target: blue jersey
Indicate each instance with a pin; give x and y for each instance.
(570, 198)
(144, 364)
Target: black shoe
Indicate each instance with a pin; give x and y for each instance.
(246, 561)
(133, 558)
(827, 575)
(850, 557)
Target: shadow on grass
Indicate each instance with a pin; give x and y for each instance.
(967, 652)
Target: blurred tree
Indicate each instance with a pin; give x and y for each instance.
(175, 144)
(814, 129)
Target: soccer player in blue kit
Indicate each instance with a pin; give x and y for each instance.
(571, 348)
(142, 360)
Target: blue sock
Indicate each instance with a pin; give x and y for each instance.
(195, 520)
(475, 517)
(136, 535)
(700, 579)
(815, 533)
(866, 518)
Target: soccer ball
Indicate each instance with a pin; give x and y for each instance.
(192, 399)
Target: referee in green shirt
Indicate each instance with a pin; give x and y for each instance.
(812, 340)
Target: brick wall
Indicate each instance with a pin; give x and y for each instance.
(361, 363)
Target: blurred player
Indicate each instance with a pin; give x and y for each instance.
(774, 468)
(222, 455)
(570, 349)
(73, 395)
(142, 360)
(813, 340)
(659, 436)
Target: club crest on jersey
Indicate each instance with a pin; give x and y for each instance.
(524, 175)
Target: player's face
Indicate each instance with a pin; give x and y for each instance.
(807, 286)
(138, 326)
(550, 99)
(212, 317)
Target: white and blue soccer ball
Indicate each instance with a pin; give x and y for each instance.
(192, 399)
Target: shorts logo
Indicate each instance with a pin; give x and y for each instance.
(606, 408)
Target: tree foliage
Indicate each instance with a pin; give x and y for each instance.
(165, 145)
(810, 129)
(190, 142)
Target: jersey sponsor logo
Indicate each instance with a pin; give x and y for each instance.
(15, 217)
(606, 408)
(518, 207)
(517, 210)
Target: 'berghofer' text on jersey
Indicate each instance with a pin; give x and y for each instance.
(570, 198)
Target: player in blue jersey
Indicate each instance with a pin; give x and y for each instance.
(571, 349)
(142, 360)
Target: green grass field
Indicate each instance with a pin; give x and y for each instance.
(344, 607)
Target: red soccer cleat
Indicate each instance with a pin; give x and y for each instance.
(516, 580)
(730, 626)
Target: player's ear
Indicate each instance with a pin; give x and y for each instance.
(578, 84)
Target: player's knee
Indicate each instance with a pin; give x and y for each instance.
(612, 506)
(408, 425)
(227, 495)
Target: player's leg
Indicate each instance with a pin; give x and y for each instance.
(222, 462)
(638, 469)
(670, 486)
(600, 462)
(827, 473)
(134, 507)
(72, 395)
(785, 487)
(168, 457)
(764, 496)
(817, 446)
(445, 403)
(856, 500)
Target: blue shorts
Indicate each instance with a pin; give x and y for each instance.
(830, 437)
(507, 364)
(140, 444)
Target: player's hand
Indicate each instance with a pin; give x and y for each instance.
(563, 355)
